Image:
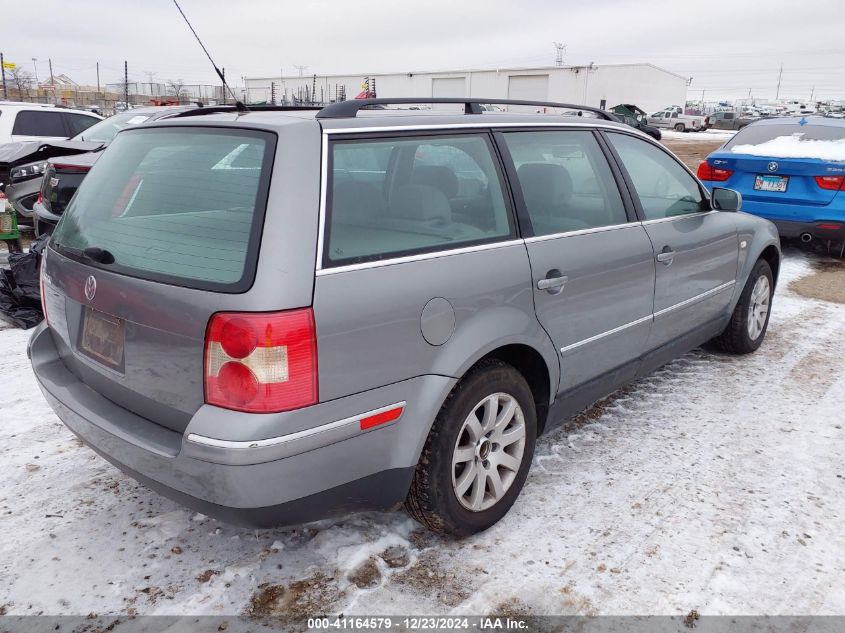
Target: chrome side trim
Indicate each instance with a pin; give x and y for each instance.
(654, 315)
(697, 297)
(257, 451)
(598, 229)
(615, 330)
(413, 258)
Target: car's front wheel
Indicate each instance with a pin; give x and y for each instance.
(477, 455)
(750, 318)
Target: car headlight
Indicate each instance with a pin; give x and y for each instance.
(31, 170)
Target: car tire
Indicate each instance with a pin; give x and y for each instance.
(465, 481)
(680, 127)
(750, 319)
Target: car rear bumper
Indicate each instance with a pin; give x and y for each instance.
(23, 195)
(822, 230)
(293, 477)
(821, 222)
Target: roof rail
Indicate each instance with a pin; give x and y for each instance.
(243, 109)
(349, 109)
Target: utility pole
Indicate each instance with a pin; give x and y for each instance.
(98, 80)
(780, 74)
(52, 81)
(559, 50)
(301, 69)
(3, 70)
(126, 84)
(812, 92)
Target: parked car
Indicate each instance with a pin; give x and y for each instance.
(637, 118)
(677, 121)
(728, 121)
(789, 170)
(33, 166)
(41, 122)
(393, 317)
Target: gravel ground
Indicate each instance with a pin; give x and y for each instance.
(715, 484)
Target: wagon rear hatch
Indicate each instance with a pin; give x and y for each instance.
(163, 232)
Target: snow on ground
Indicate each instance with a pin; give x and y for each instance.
(793, 146)
(714, 484)
(706, 135)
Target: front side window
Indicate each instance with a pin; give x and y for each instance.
(180, 205)
(664, 187)
(565, 180)
(402, 196)
(39, 123)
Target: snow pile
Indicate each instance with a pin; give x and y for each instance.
(794, 146)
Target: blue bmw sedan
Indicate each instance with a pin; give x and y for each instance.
(790, 171)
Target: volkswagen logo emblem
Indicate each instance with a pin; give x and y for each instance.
(90, 287)
(773, 166)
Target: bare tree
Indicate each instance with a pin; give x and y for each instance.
(22, 80)
(177, 87)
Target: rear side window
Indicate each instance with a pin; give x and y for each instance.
(403, 196)
(180, 205)
(665, 189)
(565, 180)
(79, 122)
(39, 123)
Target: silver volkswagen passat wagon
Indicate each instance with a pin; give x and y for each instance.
(271, 316)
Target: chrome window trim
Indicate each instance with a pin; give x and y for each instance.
(597, 229)
(615, 330)
(474, 126)
(679, 217)
(324, 183)
(697, 297)
(420, 257)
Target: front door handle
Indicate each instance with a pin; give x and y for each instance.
(666, 256)
(552, 284)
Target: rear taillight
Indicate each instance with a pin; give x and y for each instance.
(831, 183)
(706, 172)
(261, 362)
(72, 169)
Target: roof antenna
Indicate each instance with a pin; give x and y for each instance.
(239, 106)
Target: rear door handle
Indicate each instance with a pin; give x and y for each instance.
(552, 283)
(666, 256)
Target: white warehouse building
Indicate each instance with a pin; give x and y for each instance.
(644, 85)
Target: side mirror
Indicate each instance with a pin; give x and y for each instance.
(723, 199)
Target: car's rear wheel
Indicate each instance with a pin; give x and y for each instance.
(679, 127)
(477, 455)
(750, 318)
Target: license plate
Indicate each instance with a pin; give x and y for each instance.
(771, 183)
(103, 338)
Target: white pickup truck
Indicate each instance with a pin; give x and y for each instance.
(674, 118)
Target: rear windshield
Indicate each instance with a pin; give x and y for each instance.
(759, 134)
(179, 205)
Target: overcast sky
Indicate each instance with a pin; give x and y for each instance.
(728, 47)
